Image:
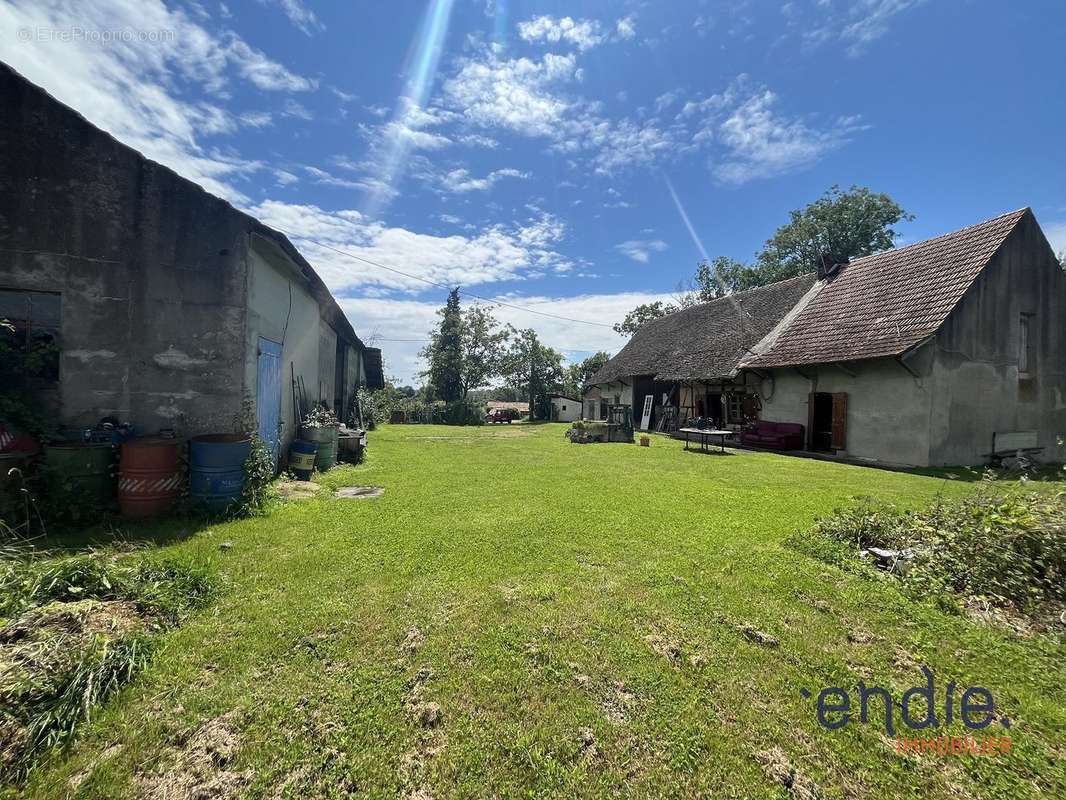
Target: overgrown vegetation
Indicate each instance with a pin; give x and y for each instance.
(76, 629)
(258, 468)
(1003, 547)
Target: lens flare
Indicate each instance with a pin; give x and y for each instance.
(420, 67)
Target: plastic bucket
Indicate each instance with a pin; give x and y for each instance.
(302, 459)
(149, 477)
(216, 469)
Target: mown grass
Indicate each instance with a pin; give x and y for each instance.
(578, 614)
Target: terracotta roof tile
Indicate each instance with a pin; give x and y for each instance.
(884, 304)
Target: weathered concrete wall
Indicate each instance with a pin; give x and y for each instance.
(888, 408)
(327, 364)
(977, 387)
(565, 409)
(281, 309)
(148, 265)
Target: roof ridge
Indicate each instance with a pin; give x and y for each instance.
(1019, 211)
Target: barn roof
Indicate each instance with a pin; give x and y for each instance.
(706, 341)
(886, 303)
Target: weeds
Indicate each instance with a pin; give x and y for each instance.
(79, 628)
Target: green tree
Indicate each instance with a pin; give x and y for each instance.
(533, 369)
(642, 314)
(846, 224)
(483, 343)
(584, 371)
(444, 353)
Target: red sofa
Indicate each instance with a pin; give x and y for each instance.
(775, 435)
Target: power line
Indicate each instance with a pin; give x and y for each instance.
(449, 288)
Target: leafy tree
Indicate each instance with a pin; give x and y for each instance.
(643, 313)
(847, 224)
(534, 369)
(445, 352)
(483, 345)
(582, 373)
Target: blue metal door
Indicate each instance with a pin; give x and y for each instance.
(268, 395)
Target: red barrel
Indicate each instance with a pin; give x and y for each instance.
(149, 477)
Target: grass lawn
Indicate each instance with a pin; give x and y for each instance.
(577, 613)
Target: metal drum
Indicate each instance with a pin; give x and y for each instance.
(326, 439)
(81, 473)
(216, 469)
(149, 477)
(302, 459)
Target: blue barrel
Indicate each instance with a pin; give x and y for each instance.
(216, 469)
(302, 459)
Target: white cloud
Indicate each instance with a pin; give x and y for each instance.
(512, 94)
(299, 15)
(761, 143)
(459, 181)
(626, 27)
(135, 89)
(855, 23)
(641, 249)
(284, 177)
(496, 253)
(582, 33)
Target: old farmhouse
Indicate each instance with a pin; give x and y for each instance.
(939, 353)
(168, 305)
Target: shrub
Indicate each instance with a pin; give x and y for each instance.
(1008, 547)
(463, 412)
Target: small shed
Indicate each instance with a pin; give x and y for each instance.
(564, 409)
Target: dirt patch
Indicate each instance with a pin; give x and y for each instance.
(297, 490)
(753, 634)
(857, 636)
(430, 739)
(81, 619)
(413, 639)
(779, 769)
(358, 492)
(665, 647)
(617, 702)
(201, 767)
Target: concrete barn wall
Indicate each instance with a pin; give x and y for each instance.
(148, 267)
(977, 388)
(271, 282)
(327, 364)
(888, 408)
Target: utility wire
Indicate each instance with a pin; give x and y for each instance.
(449, 288)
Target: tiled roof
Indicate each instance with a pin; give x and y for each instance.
(706, 341)
(884, 304)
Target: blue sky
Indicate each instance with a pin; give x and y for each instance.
(547, 153)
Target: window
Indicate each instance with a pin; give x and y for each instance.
(29, 335)
(564, 408)
(1026, 360)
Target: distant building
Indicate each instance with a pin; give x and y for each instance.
(494, 405)
(564, 409)
(942, 352)
(168, 305)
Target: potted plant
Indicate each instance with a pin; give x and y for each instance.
(320, 426)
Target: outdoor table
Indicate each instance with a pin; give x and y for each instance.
(704, 433)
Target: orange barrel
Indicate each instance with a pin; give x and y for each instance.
(149, 477)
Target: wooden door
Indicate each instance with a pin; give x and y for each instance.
(840, 420)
